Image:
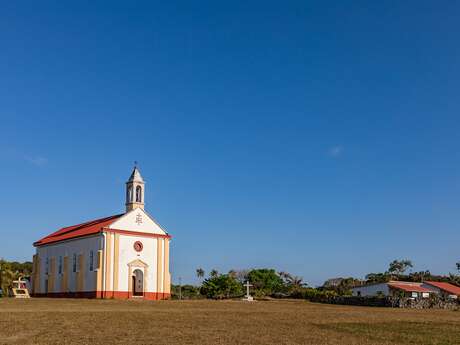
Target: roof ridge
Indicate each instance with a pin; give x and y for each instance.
(67, 231)
(79, 226)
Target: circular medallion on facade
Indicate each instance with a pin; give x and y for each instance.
(138, 246)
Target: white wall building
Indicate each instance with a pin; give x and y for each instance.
(121, 256)
(393, 288)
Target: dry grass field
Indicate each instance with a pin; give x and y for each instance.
(63, 321)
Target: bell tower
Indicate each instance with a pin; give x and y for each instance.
(135, 190)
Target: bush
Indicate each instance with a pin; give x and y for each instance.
(221, 286)
(266, 282)
(186, 291)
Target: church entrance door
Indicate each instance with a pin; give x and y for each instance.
(138, 283)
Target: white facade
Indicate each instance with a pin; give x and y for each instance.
(137, 220)
(372, 290)
(393, 288)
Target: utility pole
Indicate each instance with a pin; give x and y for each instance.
(180, 288)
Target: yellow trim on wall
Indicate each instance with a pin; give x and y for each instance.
(116, 251)
(108, 261)
(167, 276)
(81, 273)
(159, 264)
(51, 274)
(65, 274)
(99, 271)
(130, 280)
(145, 278)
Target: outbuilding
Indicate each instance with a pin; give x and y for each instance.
(445, 290)
(393, 288)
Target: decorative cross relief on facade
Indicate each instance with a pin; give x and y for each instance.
(139, 219)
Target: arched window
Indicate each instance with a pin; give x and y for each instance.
(129, 194)
(138, 194)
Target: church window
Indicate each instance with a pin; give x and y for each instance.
(74, 263)
(129, 194)
(91, 260)
(60, 265)
(138, 194)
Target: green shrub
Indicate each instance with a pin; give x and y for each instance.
(221, 286)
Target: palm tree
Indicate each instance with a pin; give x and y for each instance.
(7, 275)
(284, 275)
(200, 273)
(214, 273)
(296, 282)
(398, 267)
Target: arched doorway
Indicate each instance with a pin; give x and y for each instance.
(138, 282)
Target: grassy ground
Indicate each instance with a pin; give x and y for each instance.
(61, 321)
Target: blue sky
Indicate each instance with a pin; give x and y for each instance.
(318, 138)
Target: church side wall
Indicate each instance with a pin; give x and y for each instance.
(56, 272)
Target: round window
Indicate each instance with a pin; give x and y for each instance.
(138, 246)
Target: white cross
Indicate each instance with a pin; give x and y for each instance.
(247, 288)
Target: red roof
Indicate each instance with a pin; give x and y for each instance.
(409, 287)
(79, 230)
(450, 288)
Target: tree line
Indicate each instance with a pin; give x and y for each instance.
(264, 281)
(267, 282)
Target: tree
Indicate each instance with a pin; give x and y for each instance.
(200, 273)
(398, 267)
(240, 275)
(296, 282)
(292, 282)
(372, 278)
(214, 273)
(342, 286)
(420, 276)
(458, 266)
(10, 271)
(221, 286)
(266, 282)
(185, 292)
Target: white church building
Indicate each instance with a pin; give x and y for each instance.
(121, 256)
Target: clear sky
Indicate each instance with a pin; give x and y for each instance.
(320, 138)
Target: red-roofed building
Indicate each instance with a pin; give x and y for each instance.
(393, 288)
(446, 290)
(121, 256)
(409, 289)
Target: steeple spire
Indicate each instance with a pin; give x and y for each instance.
(135, 190)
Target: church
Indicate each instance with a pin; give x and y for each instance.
(122, 256)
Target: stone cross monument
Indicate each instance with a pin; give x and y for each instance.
(248, 297)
